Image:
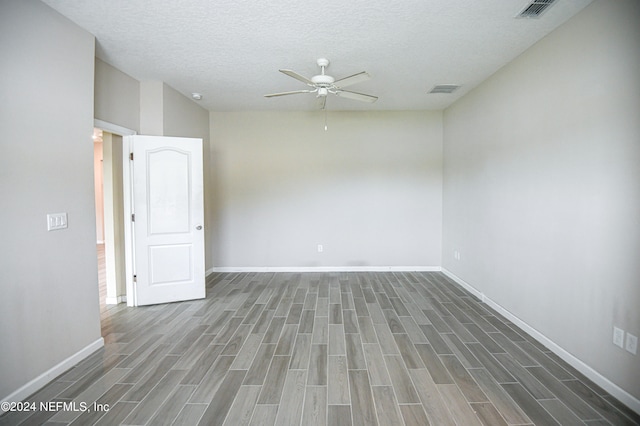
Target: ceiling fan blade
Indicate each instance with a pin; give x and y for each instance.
(297, 76)
(294, 92)
(321, 102)
(352, 79)
(357, 96)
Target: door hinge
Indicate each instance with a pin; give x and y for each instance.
(131, 156)
(133, 217)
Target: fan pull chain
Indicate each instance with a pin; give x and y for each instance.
(325, 120)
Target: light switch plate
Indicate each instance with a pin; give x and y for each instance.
(632, 343)
(618, 337)
(56, 221)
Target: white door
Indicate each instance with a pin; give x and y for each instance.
(168, 208)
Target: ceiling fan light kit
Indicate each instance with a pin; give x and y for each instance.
(323, 84)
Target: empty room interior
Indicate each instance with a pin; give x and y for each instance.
(391, 213)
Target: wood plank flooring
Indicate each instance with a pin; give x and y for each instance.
(378, 348)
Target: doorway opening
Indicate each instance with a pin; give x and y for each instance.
(108, 180)
(98, 180)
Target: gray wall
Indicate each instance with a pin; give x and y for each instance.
(368, 189)
(542, 187)
(49, 306)
(117, 96)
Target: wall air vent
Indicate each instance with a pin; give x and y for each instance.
(535, 9)
(444, 88)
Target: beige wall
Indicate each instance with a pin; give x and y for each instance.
(117, 96)
(98, 188)
(369, 189)
(114, 217)
(49, 307)
(542, 187)
(183, 117)
(151, 108)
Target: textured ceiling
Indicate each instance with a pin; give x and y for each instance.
(231, 50)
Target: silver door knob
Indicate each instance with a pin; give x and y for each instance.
(199, 227)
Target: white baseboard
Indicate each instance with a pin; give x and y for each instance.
(40, 381)
(323, 269)
(115, 300)
(616, 391)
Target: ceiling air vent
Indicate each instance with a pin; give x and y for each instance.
(535, 9)
(444, 88)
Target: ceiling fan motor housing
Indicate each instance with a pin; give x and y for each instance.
(323, 80)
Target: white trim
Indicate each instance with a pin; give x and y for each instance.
(115, 300)
(46, 377)
(464, 285)
(616, 391)
(113, 128)
(323, 269)
(127, 205)
(100, 242)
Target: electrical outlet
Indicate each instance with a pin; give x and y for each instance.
(320, 248)
(618, 337)
(632, 343)
(456, 255)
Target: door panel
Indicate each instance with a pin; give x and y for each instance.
(168, 207)
(168, 187)
(170, 264)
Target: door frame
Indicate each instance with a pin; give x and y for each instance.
(129, 234)
(126, 188)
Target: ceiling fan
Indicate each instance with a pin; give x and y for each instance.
(324, 84)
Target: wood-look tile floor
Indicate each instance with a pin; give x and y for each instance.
(323, 349)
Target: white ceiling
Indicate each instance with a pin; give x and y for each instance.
(231, 50)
